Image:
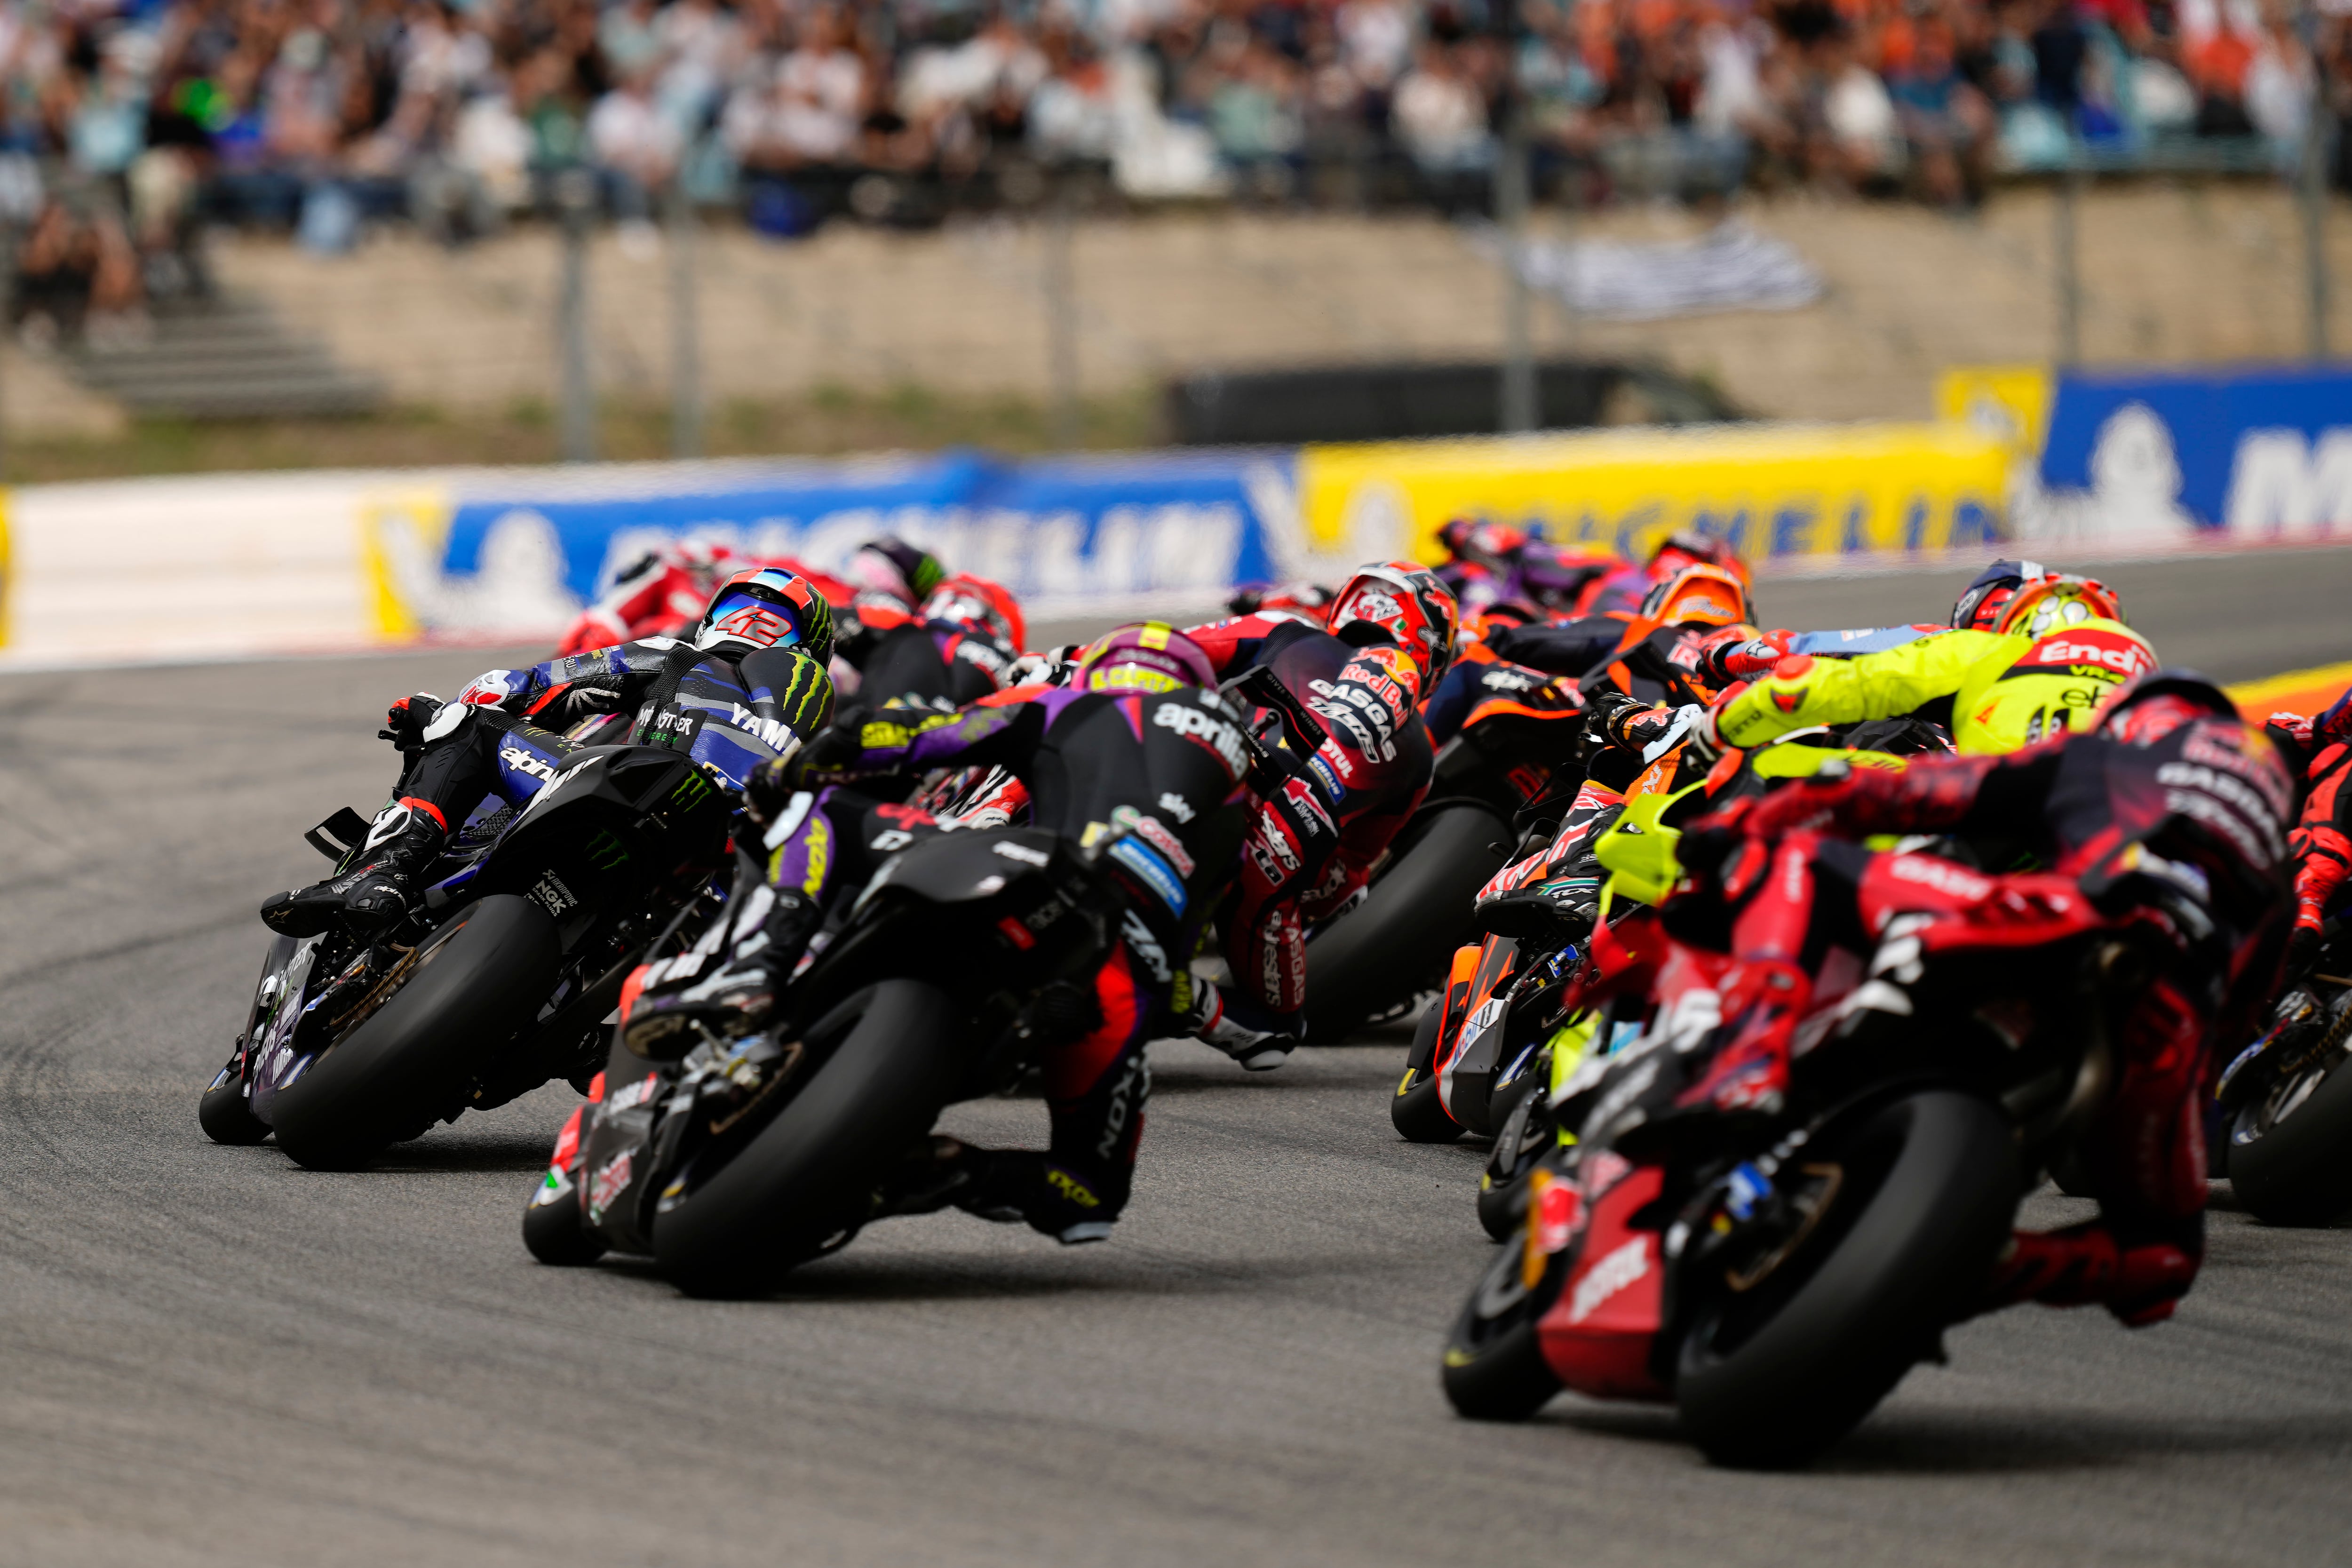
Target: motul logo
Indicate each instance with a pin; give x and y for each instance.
(1605, 1279)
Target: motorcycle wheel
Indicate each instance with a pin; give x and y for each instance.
(809, 1174)
(556, 1238)
(1414, 1110)
(225, 1113)
(477, 979)
(1495, 1368)
(1371, 961)
(1523, 1140)
(1928, 1187)
(2290, 1158)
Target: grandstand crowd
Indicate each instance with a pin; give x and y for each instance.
(128, 123)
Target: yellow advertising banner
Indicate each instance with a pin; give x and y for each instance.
(1771, 490)
(8, 570)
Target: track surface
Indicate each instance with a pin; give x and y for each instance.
(207, 1356)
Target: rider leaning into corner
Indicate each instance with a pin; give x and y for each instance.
(2020, 665)
(1140, 754)
(747, 687)
(2168, 800)
(2321, 843)
(914, 631)
(1358, 681)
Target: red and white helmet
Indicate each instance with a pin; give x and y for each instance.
(1405, 600)
(969, 600)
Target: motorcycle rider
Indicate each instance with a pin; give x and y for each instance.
(957, 647)
(748, 687)
(2059, 644)
(1356, 682)
(2168, 802)
(1141, 756)
(2321, 750)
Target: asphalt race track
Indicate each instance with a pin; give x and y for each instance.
(210, 1356)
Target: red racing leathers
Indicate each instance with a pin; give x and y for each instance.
(1313, 843)
(2321, 843)
(2188, 824)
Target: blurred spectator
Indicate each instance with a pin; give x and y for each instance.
(327, 115)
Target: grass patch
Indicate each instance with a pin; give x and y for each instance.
(829, 420)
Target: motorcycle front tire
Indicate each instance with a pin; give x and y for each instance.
(809, 1174)
(1370, 961)
(479, 979)
(1414, 1110)
(1879, 1284)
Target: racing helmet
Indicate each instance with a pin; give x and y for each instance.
(969, 600)
(765, 607)
(1687, 547)
(1405, 601)
(2147, 708)
(891, 565)
(2055, 601)
(1149, 656)
(1706, 594)
(1979, 608)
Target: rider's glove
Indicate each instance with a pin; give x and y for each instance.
(1606, 713)
(1731, 658)
(404, 722)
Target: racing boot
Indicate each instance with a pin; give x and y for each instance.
(2140, 1282)
(720, 990)
(403, 841)
(1259, 1041)
(1008, 1185)
(1763, 999)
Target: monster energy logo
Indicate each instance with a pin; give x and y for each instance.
(604, 851)
(690, 789)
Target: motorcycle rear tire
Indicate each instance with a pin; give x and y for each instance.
(1371, 961)
(401, 1069)
(1896, 1272)
(811, 1173)
(2299, 1172)
(1414, 1110)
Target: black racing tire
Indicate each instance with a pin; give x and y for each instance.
(555, 1235)
(227, 1116)
(1527, 1136)
(1493, 1368)
(1930, 1184)
(808, 1174)
(2296, 1169)
(1371, 961)
(480, 978)
(1414, 1110)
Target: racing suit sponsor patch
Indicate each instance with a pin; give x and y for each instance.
(1150, 870)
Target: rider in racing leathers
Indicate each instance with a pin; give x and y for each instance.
(2059, 647)
(1391, 636)
(2168, 802)
(750, 686)
(2322, 840)
(958, 647)
(1140, 758)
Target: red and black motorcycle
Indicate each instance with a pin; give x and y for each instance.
(1774, 1277)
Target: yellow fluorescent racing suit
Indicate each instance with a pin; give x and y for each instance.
(2004, 690)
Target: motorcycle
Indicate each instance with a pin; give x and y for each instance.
(966, 958)
(2285, 1102)
(1377, 962)
(500, 979)
(1775, 1277)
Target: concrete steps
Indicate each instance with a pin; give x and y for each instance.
(230, 358)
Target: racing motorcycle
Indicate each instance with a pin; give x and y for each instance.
(966, 958)
(1376, 963)
(2285, 1102)
(1775, 1277)
(501, 978)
